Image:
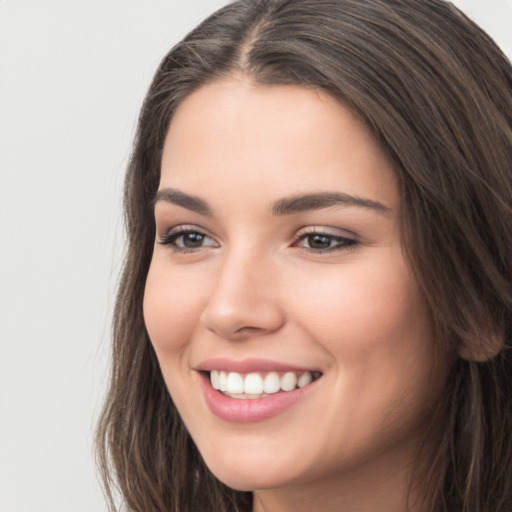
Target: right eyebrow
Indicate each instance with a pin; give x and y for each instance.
(193, 203)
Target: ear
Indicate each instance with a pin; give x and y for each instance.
(483, 349)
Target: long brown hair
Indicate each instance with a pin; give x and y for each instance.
(436, 93)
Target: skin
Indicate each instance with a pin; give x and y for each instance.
(255, 287)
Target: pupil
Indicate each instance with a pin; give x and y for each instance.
(192, 240)
(319, 242)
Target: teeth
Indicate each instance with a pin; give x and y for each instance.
(304, 379)
(214, 378)
(254, 385)
(235, 383)
(288, 381)
(223, 381)
(272, 383)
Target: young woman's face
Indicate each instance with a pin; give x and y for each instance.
(278, 273)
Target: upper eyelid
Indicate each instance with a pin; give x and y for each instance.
(186, 228)
(181, 229)
(327, 231)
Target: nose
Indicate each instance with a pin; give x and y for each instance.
(244, 301)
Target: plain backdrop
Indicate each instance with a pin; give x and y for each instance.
(72, 78)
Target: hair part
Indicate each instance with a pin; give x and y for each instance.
(435, 91)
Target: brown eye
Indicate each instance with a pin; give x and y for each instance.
(325, 242)
(319, 241)
(191, 239)
(186, 240)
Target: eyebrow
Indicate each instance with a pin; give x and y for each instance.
(284, 206)
(317, 201)
(193, 203)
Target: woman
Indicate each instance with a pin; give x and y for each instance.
(316, 301)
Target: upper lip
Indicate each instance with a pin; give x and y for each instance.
(248, 365)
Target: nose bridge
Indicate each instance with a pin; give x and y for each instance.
(244, 300)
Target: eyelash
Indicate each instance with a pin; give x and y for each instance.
(338, 243)
(171, 238)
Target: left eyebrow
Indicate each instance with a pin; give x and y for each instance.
(318, 201)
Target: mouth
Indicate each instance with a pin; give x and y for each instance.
(255, 385)
(254, 390)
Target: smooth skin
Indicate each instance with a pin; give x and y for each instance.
(326, 287)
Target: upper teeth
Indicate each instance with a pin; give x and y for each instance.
(234, 383)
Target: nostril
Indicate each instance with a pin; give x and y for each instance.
(248, 329)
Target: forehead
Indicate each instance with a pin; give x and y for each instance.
(285, 138)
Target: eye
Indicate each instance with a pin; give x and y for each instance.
(187, 240)
(325, 242)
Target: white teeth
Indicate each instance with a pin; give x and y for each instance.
(235, 383)
(272, 383)
(254, 385)
(214, 378)
(223, 381)
(288, 381)
(304, 379)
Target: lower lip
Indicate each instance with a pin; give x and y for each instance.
(238, 410)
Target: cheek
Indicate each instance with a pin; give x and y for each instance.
(362, 308)
(172, 308)
(373, 322)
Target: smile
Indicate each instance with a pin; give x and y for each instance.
(256, 385)
(254, 390)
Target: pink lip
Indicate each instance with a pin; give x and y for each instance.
(248, 366)
(250, 410)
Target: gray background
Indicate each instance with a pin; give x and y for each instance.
(72, 77)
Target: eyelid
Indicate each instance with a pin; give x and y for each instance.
(175, 232)
(327, 231)
(345, 241)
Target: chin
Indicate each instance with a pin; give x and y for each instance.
(247, 475)
(249, 480)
